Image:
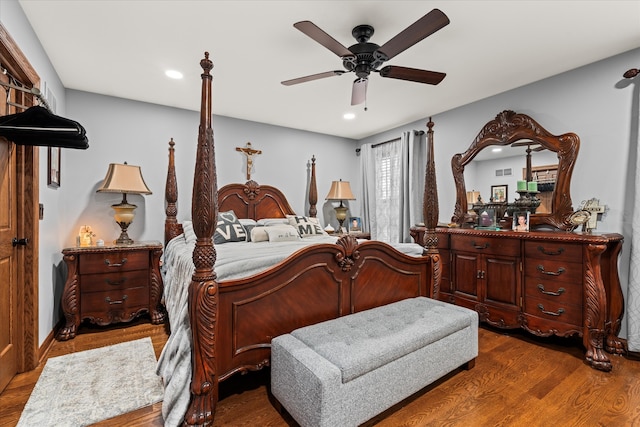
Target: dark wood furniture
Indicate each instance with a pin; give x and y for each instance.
(110, 284)
(232, 322)
(548, 281)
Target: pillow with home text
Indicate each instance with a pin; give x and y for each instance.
(306, 226)
(229, 229)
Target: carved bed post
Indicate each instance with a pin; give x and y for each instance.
(431, 213)
(171, 196)
(203, 290)
(313, 190)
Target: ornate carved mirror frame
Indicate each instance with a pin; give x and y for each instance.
(507, 128)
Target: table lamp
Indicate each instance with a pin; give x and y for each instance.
(340, 190)
(124, 178)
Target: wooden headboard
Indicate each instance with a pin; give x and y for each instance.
(253, 201)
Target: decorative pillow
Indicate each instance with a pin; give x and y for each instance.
(229, 229)
(248, 225)
(273, 221)
(259, 234)
(306, 226)
(282, 233)
(189, 234)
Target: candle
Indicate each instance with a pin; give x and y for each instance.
(522, 185)
(532, 186)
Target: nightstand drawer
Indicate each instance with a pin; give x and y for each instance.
(114, 281)
(114, 262)
(95, 304)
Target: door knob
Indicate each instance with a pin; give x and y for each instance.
(22, 242)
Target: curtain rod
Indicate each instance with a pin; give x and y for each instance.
(416, 132)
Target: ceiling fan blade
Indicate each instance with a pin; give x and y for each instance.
(423, 27)
(359, 91)
(313, 31)
(412, 74)
(312, 77)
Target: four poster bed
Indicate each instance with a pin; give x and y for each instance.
(222, 320)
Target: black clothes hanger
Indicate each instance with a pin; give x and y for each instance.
(37, 126)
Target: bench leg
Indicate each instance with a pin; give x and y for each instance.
(469, 365)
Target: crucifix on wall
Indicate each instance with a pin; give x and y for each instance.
(248, 151)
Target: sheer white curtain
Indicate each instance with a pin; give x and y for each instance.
(633, 291)
(393, 186)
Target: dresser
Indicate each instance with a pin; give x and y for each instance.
(547, 283)
(110, 284)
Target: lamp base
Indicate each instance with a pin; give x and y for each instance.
(124, 217)
(341, 215)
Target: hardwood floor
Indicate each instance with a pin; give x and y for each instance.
(517, 380)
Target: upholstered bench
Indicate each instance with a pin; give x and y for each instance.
(345, 371)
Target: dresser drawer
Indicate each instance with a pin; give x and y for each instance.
(551, 269)
(549, 309)
(553, 290)
(96, 304)
(114, 281)
(486, 245)
(553, 251)
(113, 262)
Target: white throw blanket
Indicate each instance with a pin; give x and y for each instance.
(233, 261)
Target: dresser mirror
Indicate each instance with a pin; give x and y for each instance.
(519, 130)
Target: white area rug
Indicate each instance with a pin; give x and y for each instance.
(82, 388)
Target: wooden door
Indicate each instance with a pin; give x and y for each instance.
(8, 264)
(18, 219)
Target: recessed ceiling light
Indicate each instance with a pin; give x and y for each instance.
(173, 74)
(349, 116)
(496, 150)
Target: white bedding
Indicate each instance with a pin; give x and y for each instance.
(233, 261)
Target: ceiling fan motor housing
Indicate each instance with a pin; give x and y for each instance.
(366, 57)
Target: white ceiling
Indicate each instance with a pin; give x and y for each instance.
(122, 48)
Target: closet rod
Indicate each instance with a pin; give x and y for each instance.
(33, 91)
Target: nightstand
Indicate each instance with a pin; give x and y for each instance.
(109, 284)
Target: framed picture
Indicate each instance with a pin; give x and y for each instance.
(521, 221)
(499, 193)
(355, 224)
(53, 167)
(487, 218)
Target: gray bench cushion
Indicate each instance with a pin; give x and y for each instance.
(362, 342)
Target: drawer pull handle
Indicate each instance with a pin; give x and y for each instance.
(119, 301)
(106, 261)
(477, 246)
(551, 313)
(551, 273)
(558, 252)
(555, 294)
(115, 282)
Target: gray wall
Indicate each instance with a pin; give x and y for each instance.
(593, 101)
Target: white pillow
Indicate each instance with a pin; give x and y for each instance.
(284, 233)
(273, 221)
(306, 226)
(248, 224)
(259, 234)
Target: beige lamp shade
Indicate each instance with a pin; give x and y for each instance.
(124, 178)
(340, 190)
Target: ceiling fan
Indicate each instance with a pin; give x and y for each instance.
(364, 57)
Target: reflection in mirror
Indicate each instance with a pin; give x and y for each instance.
(530, 156)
